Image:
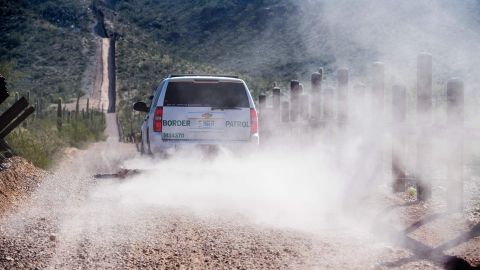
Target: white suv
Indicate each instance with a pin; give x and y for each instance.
(198, 110)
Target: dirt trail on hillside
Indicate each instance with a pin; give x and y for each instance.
(101, 98)
(98, 95)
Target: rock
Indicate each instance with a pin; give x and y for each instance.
(53, 237)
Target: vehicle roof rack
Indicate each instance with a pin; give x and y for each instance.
(210, 75)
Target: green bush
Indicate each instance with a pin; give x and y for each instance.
(41, 142)
(40, 146)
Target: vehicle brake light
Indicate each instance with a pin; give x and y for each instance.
(157, 119)
(253, 121)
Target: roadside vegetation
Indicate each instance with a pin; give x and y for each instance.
(45, 49)
(44, 135)
(49, 43)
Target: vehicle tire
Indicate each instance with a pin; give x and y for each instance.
(148, 144)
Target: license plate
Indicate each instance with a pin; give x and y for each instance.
(205, 124)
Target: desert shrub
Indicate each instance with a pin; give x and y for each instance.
(41, 141)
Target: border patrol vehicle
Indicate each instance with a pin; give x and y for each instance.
(205, 110)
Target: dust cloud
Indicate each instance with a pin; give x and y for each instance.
(309, 179)
(360, 32)
(303, 178)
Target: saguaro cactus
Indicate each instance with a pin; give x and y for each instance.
(40, 107)
(88, 107)
(77, 107)
(455, 120)
(35, 115)
(27, 96)
(59, 114)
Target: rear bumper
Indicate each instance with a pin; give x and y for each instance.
(159, 145)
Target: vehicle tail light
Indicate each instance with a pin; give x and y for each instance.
(157, 119)
(253, 121)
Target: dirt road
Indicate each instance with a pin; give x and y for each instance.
(188, 214)
(73, 221)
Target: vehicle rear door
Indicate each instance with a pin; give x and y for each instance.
(206, 110)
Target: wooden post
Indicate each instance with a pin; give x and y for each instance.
(276, 98)
(316, 105)
(11, 113)
(3, 89)
(328, 104)
(262, 106)
(295, 91)
(455, 121)
(342, 96)
(276, 117)
(378, 89)
(399, 155)
(16, 122)
(424, 121)
(262, 102)
(285, 111)
(304, 103)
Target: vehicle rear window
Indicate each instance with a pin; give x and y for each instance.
(220, 94)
